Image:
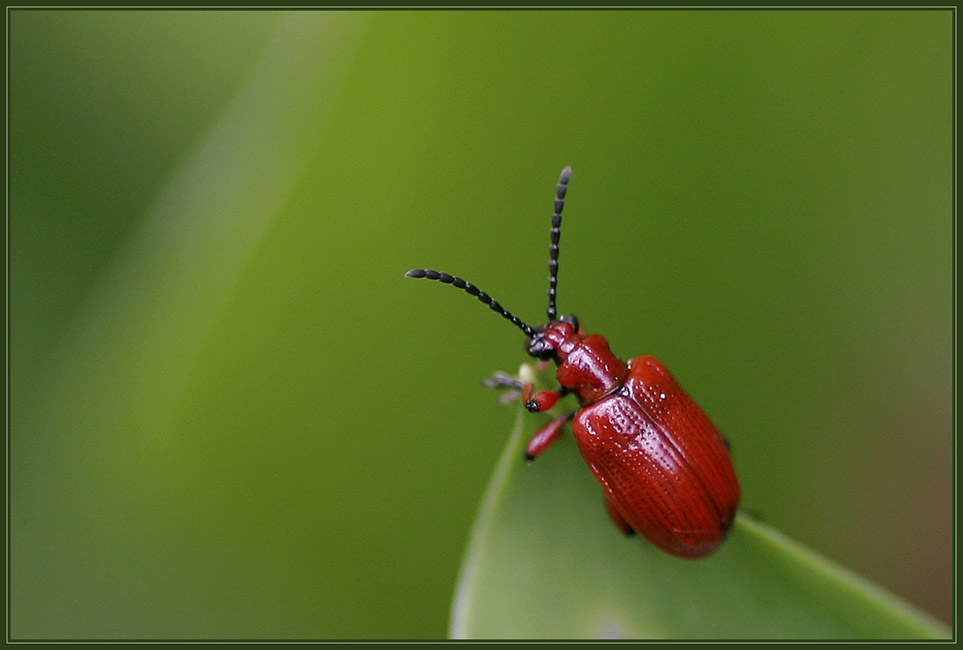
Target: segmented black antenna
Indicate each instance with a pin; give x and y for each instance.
(473, 290)
(556, 235)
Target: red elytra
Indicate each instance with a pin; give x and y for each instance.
(665, 468)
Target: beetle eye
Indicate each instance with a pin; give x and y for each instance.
(540, 348)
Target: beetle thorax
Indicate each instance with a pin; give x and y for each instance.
(586, 364)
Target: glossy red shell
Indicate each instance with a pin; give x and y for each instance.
(664, 466)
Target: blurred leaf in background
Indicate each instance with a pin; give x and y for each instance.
(232, 417)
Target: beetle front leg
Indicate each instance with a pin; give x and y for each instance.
(543, 400)
(512, 385)
(546, 436)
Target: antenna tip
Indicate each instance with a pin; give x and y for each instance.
(416, 273)
(566, 175)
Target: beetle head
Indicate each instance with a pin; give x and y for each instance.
(540, 347)
(555, 339)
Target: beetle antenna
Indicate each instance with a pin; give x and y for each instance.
(556, 235)
(473, 290)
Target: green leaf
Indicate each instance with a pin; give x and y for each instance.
(544, 561)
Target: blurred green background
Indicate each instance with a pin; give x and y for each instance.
(231, 416)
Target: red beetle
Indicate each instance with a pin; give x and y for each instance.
(665, 468)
